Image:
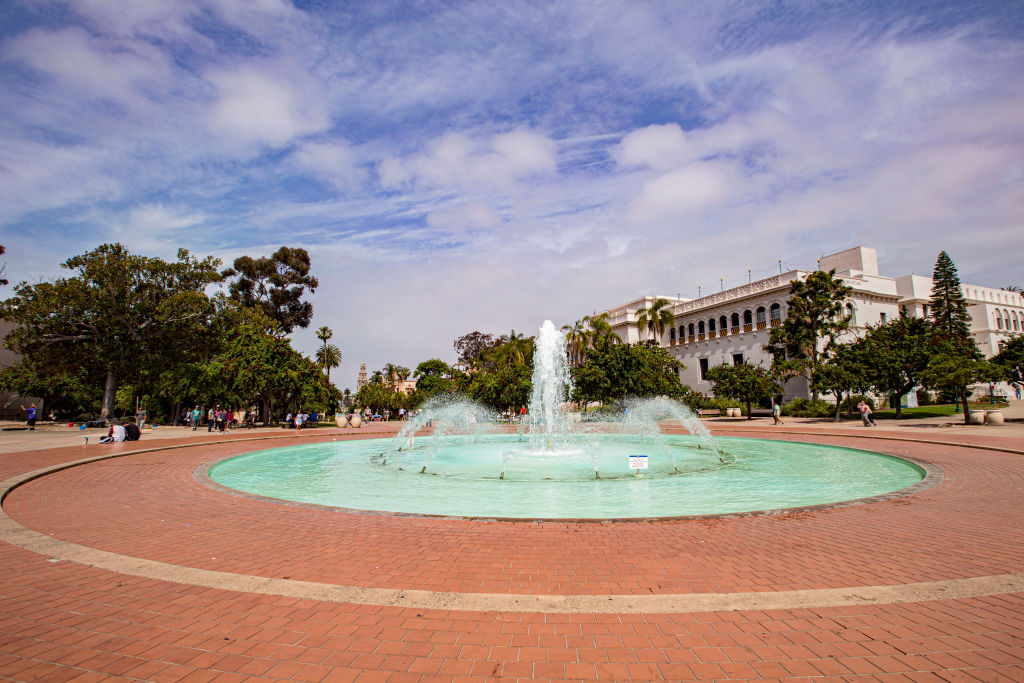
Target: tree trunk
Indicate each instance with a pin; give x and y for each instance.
(109, 396)
(839, 406)
(967, 414)
(899, 405)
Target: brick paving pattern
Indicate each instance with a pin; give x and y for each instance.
(65, 621)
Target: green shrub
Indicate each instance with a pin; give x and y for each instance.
(803, 407)
(924, 397)
(723, 403)
(695, 399)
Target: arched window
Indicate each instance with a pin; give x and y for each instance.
(723, 325)
(748, 320)
(700, 330)
(852, 313)
(691, 332)
(682, 334)
(999, 320)
(775, 315)
(762, 318)
(1015, 328)
(735, 323)
(671, 334)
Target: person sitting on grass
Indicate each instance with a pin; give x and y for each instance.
(132, 432)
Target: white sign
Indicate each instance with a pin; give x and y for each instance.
(638, 462)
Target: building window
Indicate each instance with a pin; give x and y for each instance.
(775, 315)
(924, 310)
(700, 327)
(691, 331)
(703, 368)
(711, 325)
(723, 324)
(735, 322)
(682, 333)
(671, 334)
(882, 317)
(850, 312)
(748, 321)
(762, 318)
(737, 359)
(999, 321)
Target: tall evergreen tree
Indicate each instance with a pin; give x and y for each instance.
(949, 307)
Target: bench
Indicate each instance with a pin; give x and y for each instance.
(710, 412)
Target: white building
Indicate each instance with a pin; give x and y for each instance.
(733, 326)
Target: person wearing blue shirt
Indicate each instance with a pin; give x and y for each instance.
(31, 422)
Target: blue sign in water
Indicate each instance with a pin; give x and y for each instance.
(638, 462)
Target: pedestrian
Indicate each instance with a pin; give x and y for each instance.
(197, 415)
(30, 414)
(211, 419)
(1016, 390)
(865, 414)
(298, 420)
(777, 413)
(229, 419)
(140, 417)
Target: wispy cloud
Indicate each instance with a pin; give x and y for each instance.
(487, 165)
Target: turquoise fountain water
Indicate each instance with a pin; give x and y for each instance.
(554, 466)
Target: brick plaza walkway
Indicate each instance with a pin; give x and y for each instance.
(244, 584)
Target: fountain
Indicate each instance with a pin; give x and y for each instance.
(553, 465)
(555, 438)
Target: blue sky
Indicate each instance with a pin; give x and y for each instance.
(460, 166)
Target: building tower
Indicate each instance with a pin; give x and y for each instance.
(361, 380)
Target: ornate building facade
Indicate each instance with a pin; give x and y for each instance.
(733, 326)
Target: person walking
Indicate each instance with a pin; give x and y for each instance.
(140, 417)
(777, 413)
(197, 415)
(865, 414)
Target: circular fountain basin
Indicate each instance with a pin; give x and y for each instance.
(464, 477)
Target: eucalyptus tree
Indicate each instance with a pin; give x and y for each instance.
(815, 320)
(275, 284)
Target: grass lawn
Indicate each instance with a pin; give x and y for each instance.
(944, 410)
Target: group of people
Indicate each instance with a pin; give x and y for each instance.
(217, 419)
(299, 419)
(118, 432)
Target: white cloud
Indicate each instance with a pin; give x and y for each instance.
(463, 217)
(456, 160)
(252, 105)
(92, 66)
(335, 161)
(659, 147)
(682, 193)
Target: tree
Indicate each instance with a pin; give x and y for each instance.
(611, 372)
(656, 318)
(471, 348)
(896, 354)
(948, 305)
(814, 321)
(328, 355)
(953, 347)
(743, 382)
(574, 341)
(121, 315)
(955, 369)
(276, 284)
(1011, 359)
(433, 377)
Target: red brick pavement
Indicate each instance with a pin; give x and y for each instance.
(60, 620)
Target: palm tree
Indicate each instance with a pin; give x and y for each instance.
(574, 336)
(598, 332)
(328, 356)
(657, 318)
(323, 334)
